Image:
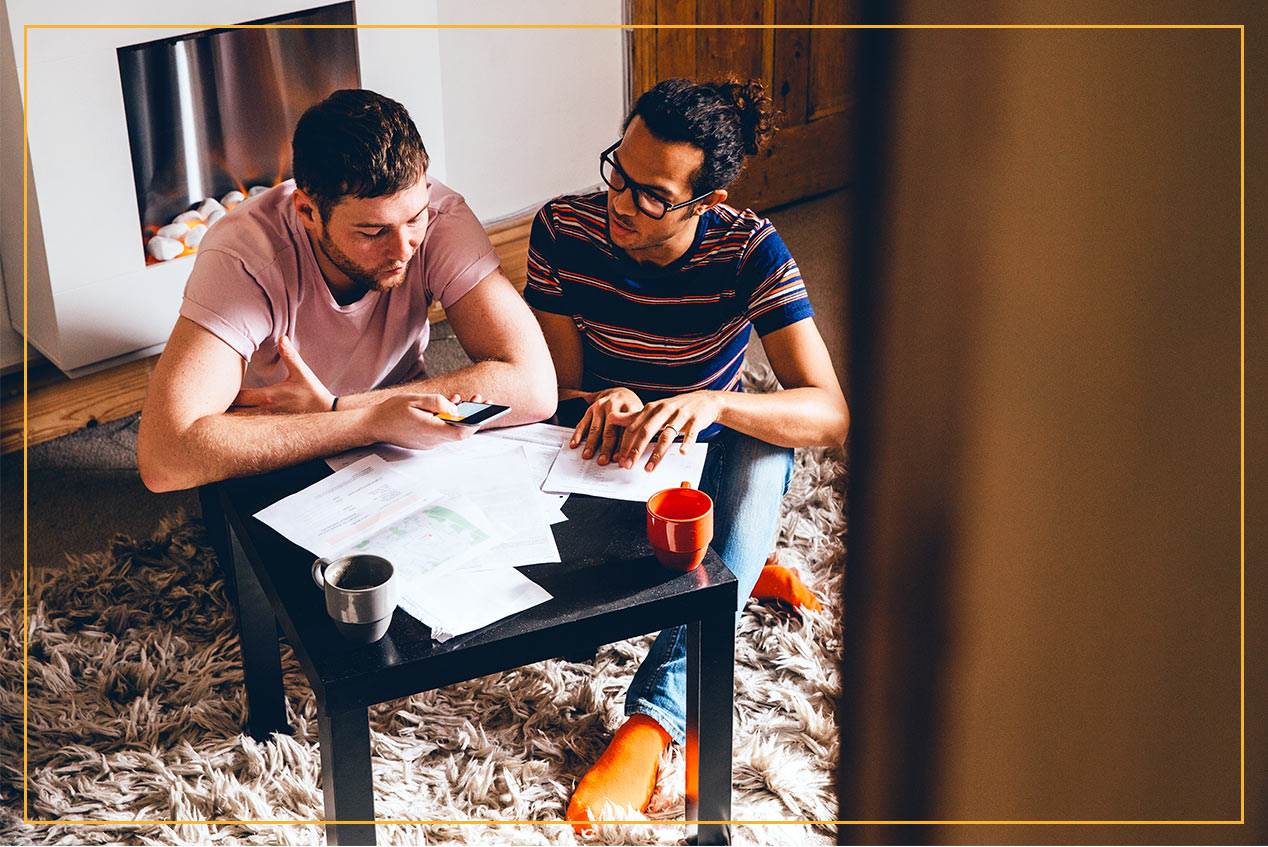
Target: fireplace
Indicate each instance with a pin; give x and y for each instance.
(97, 179)
(209, 115)
(472, 88)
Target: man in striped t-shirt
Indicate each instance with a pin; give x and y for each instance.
(646, 294)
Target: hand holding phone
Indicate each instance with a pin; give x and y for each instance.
(473, 414)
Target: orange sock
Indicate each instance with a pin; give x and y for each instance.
(625, 774)
(780, 583)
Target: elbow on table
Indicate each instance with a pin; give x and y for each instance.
(156, 476)
(541, 397)
(157, 468)
(545, 401)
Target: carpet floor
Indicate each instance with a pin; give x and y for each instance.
(134, 706)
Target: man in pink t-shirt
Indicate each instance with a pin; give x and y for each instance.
(304, 321)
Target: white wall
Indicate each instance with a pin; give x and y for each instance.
(404, 64)
(527, 111)
(511, 117)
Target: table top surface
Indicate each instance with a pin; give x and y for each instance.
(607, 587)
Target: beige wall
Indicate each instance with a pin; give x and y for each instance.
(1056, 435)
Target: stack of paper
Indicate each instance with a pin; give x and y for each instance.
(436, 543)
(458, 519)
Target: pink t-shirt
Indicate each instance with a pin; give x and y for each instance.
(255, 279)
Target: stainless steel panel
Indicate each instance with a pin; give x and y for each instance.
(214, 111)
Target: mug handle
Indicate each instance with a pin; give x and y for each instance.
(319, 567)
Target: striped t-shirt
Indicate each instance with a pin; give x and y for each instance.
(663, 330)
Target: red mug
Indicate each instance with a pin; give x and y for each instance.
(680, 526)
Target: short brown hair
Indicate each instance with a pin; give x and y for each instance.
(356, 143)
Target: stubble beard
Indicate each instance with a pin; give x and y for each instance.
(358, 275)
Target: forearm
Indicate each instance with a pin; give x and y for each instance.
(225, 445)
(529, 392)
(793, 417)
(572, 393)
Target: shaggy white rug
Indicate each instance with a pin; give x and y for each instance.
(135, 713)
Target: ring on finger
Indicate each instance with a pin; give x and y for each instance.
(672, 427)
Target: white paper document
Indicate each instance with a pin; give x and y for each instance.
(538, 443)
(345, 508)
(547, 435)
(506, 489)
(501, 477)
(434, 538)
(455, 605)
(573, 474)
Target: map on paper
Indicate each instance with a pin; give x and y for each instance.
(420, 543)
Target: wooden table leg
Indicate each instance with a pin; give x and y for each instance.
(261, 651)
(710, 698)
(346, 776)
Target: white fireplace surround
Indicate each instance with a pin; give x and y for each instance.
(510, 118)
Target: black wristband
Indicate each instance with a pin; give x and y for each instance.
(334, 405)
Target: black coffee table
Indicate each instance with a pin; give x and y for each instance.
(607, 588)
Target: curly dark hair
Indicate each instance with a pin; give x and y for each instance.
(729, 120)
(356, 143)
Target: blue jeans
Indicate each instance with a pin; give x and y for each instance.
(747, 479)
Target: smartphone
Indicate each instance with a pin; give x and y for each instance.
(474, 414)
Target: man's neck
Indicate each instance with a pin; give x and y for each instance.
(343, 289)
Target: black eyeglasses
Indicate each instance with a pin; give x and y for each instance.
(648, 201)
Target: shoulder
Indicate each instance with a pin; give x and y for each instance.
(743, 227)
(732, 236)
(453, 225)
(750, 239)
(583, 216)
(258, 231)
(444, 201)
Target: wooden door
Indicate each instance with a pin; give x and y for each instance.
(809, 73)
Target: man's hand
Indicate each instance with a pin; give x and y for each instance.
(409, 420)
(685, 414)
(597, 423)
(301, 391)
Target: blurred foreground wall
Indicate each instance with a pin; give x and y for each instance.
(1044, 599)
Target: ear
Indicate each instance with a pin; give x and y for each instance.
(715, 197)
(306, 208)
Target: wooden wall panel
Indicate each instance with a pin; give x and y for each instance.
(676, 48)
(641, 47)
(791, 77)
(808, 74)
(831, 58)
(720, 52)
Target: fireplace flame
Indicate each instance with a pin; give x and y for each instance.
(182, 236)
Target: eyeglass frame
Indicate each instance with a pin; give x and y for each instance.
(635, 187)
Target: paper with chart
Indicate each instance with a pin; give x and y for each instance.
(343, 509)
(367, 507)
(420, 543)
(538, 448)
(497, 477)
(506, 489)
(571, 473)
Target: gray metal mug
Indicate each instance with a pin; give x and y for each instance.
(361, 594)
